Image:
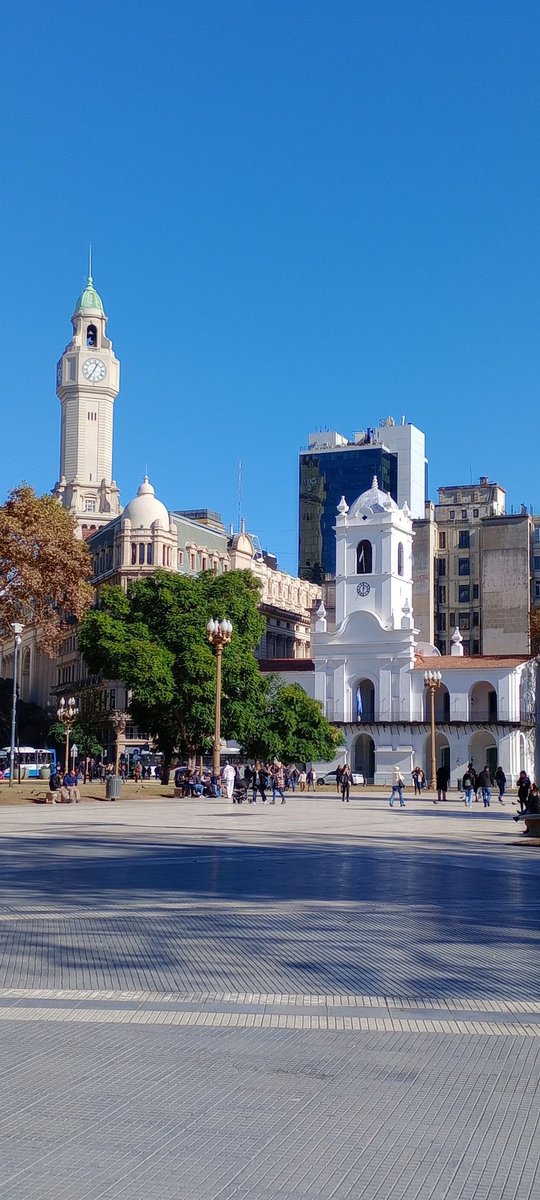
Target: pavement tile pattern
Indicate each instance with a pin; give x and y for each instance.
(197, 1004)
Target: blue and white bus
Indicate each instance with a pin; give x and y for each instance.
(30, 761)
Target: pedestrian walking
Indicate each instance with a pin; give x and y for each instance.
(311, 780)
(485, 783)
(345, 783)
(500, 780)
(302, 777)
(523, 789)
(278, 781)
(227, 776)
(258, 782)
(417, 774)
(468, 787)
(398, 783)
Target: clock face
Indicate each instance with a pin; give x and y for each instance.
(94, 370)
(363, 589)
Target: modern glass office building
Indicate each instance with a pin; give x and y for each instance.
(325, 476)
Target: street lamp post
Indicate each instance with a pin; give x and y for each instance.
(119, 721)
(432, 681)
(67, 714)
(219, 634)
(17, 630)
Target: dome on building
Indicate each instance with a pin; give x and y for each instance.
(89, 298)
(145, 509)
(373, 501)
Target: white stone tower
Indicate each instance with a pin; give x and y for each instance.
(87, 384)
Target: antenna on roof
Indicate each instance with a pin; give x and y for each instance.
(239, 492)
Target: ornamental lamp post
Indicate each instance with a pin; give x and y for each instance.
(17, 630)
(219, 635)
(432, 681)
(119, 720)
(67, 714)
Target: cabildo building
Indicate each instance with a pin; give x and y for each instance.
(369, 668)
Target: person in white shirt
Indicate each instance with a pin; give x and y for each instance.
(227, 776)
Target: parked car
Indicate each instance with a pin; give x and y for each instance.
(330, 777)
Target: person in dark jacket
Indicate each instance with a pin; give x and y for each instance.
(523, 789)
(442, 777)
(532, 809)
(485, 783)
(500, 780)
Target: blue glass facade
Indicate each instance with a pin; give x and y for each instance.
(326, 476)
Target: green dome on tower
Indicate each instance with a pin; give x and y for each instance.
(89, 298)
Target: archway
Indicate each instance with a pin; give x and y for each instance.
(483, 702)
(363, 701)
(364, 757)
(442, 753)
(442, 704)
(483, 749)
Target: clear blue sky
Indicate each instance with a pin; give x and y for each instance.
(304, 213)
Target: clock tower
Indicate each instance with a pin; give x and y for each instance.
(87, 384)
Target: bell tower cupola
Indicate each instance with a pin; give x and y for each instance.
(87, 384)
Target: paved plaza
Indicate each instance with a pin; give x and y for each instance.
(206, 1002)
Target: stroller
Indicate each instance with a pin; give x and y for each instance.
(239, 793)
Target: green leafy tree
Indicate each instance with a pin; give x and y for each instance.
(154, 638)
(294, 728)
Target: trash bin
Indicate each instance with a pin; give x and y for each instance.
(113, 787)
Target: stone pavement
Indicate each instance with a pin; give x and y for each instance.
(199, 1002)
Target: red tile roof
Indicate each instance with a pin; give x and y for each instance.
(469, 662)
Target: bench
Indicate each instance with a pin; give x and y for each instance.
(533, 825)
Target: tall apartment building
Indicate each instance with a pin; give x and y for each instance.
(482, 570)
(333, 466)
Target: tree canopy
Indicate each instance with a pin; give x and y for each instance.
(44, 568)
(154, 639)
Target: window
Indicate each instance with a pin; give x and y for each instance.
(466, 647)
(464, 514)
(464, 620)
(452, 514)
(364, 558)
(463, 593)
(476, 512)
(476, 618)
(475, 591)
(441, 566)
(441, 646)
(537, 534)
(89, 506)
(463, 566)
(464, 540)
(91, 336)
(441, 622)
(536, 591)
(141, 552)
(400, 558)
(442, 594)
(536, 562)
(133, 553)
(203, 563)
(112, 698)
(192, 561)
(442, 541)
(149, 554)
(453, 619)
(476, 647)
(180, 557)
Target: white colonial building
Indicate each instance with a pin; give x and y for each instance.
(369, 668)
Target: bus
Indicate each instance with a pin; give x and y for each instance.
(29, 760)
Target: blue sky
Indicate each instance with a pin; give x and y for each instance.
(303, 214)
